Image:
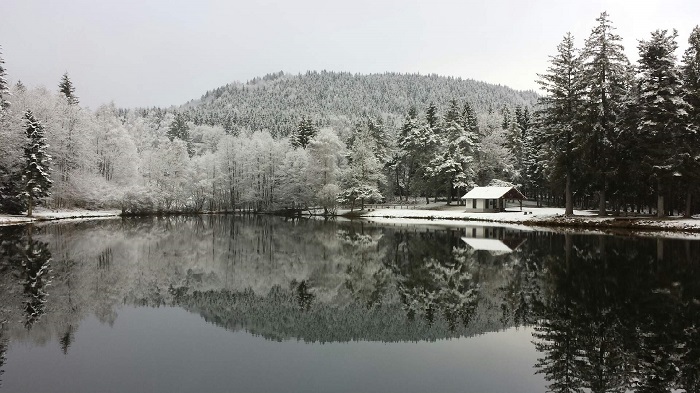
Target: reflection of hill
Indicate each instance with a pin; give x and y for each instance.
(367, 276)
(609, 313)
(278, 316)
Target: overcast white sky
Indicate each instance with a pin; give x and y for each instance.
(161, 53)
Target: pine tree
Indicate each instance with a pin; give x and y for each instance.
(690, 142)
(606, 72)
(662, 109)
(9, 200)
(36, 178)
(10, 190)
(66, 88)
(451, 163)
(431, 116)
(469, 121)
(4, 88)
(691, 76)
(408, 159)
(304, 133)
(559, 112)
(181, 130)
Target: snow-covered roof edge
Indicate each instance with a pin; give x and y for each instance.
(491, 192)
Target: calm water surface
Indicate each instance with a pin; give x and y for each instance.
(238, 304)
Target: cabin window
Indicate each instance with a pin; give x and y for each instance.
(473, 203)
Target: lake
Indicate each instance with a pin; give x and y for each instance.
(263, 304)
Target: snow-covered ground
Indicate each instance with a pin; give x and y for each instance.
(47, 215)
(532, 216)
(443, 215)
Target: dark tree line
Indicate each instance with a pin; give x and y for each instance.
(619, 134)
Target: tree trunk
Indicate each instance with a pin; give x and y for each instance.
(601, 202)
(569, 211)
(660, 210)
(449, 192)
(29, 208)
(688, 204)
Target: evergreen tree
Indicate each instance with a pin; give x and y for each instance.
(505, 123)
(10, 192)
(690, 69)
(181, 130)
(606, 73)
(662, 110)
(431, 116)
(469, 121)
(690, 142)
(409, 164)
(4, 88)
(304, 133)
(559, 113)
(36, 178)
(522, 117)
(66, 88)
(9, 199)
(451, 163)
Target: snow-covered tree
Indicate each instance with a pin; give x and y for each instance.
(452, 163)
(4, 87)
(690, 71)
(326, 155)
(559, 114)
(662, 110)
(181, 130)
(9, 175)
(294, 177)
(606, 75)
(304, 133)
(691, 76)
(363, 176)
(66, 88)
(36, 177)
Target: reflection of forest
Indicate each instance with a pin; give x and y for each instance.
(620, 315)
(372, 277)
(608, 312)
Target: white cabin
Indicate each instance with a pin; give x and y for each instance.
(491, 199)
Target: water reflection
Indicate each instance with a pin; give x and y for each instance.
(609, 313)
(616, 315)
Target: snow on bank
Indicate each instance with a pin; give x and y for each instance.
(49, 215)
(533, 216)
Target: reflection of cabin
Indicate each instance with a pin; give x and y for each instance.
(491, 199)
(495, 240)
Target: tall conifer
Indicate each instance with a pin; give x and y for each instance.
(36, 177)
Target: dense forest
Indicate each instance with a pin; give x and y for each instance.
(605, 133)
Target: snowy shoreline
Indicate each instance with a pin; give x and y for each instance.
(42, 215)
(532, 217)
(541, 217)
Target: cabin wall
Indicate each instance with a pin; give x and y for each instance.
(484, 205)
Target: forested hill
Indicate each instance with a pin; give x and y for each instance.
(340, 99)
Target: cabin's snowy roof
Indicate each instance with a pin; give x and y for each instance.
(493, 193)
(493, 245)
